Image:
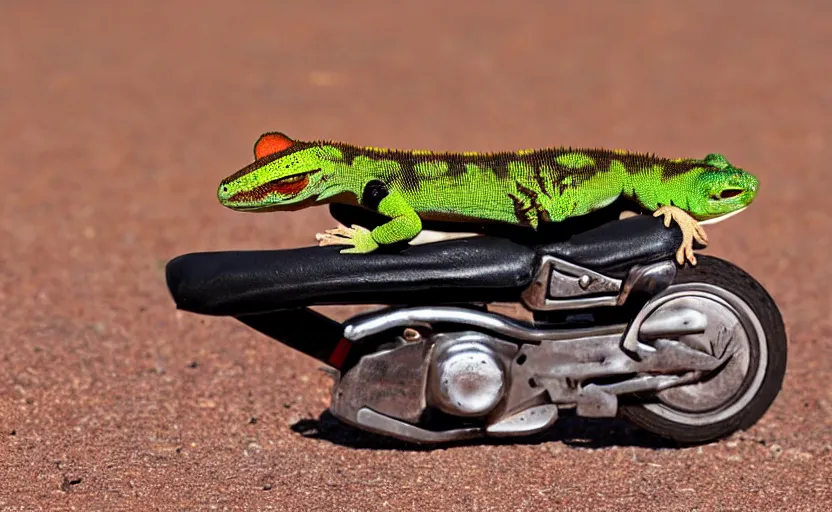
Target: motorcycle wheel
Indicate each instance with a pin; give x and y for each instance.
(743, 320)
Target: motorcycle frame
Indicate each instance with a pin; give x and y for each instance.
(562, 361)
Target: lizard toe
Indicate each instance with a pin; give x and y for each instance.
(324, 240)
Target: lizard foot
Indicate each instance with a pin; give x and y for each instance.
(691, 230)
(360, 238)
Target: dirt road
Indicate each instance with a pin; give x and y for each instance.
(117, 119)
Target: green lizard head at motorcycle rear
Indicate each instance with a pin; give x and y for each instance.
(284, 176)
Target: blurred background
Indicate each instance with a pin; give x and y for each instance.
(118, 119)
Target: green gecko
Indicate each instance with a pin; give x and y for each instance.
(522, 188)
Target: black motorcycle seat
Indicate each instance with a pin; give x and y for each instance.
(476, 269)
(232, 283)
(615, 246)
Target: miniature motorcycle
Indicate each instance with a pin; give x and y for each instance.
(616, 328)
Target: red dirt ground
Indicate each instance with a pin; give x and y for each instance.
(118, 119)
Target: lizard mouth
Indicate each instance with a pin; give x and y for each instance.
(721, 218)
(288, 186)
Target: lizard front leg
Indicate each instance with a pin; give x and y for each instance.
(691, 230)
(404, 223)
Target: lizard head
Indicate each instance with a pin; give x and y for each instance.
(284, 176)
(721, 190)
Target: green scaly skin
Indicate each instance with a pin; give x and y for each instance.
(522, 188)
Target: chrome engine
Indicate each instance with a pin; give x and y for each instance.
(468, 374)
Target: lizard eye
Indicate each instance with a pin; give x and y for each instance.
(727, 194)
(225, 189)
